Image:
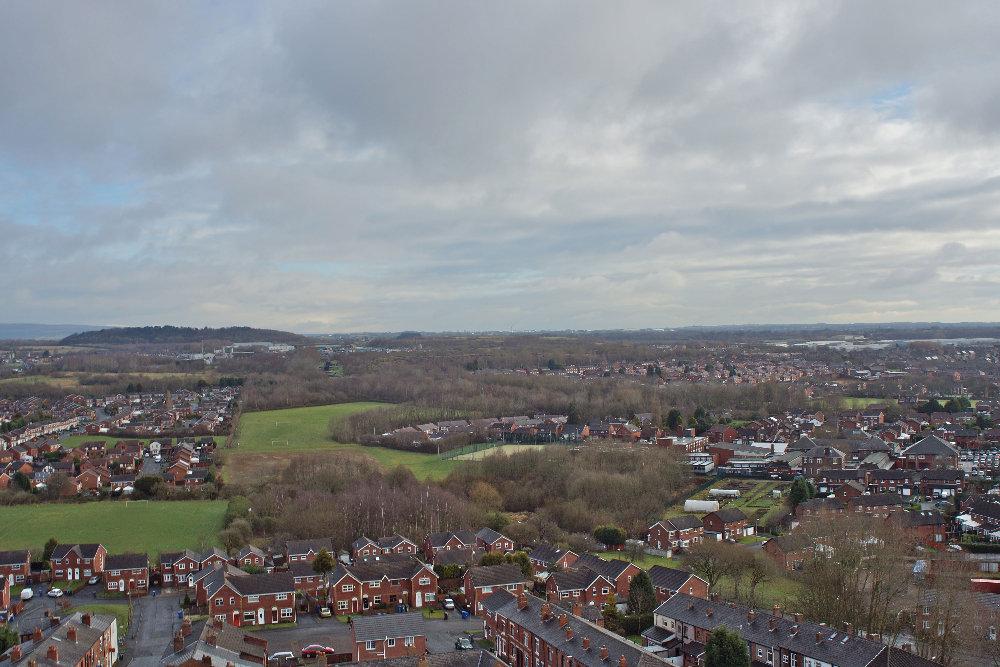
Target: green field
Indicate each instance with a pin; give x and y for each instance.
(267, 438)
(136, 526)
(862, 402)
(645, 562)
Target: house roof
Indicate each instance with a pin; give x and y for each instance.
(496, 575)
(878, 500)
(684, 522)
(505, 604)
(17, 557)
(730, 514)
(834, 647)
(82, 550)
(546, 553)
(611, 569)
(126, 562)
(668, 578)
(930, 446)
(300, 547)
(574, 580)
(489, 535)
(261, 584)
(371, 628)
(466, 537)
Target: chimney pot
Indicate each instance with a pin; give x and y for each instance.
(604, 652)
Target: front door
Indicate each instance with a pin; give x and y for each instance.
(274, 614)
(77, 573)
(418, 599)
(260, 616)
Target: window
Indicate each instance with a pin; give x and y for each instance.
(232, 601)
(115, 573)
(390, 642)
(376, 584)
(377, 600)
(430, 597)
(282, 596)
(760, 652)
(286, 612)
(180, 566)
(220, 617)
(248, 616)
(347, 588)
(218, 602)
(424, 581)
(342, 605)
(408, 641)
(253, 598)
(168, 577)
(370, 645)
(605, 590)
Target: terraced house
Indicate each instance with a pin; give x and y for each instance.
(127, 573)
(383, 583)
(73, 562)
(547, 558)
(482, 582)
(364, 547)
(82, 640)
(676, 534)
(682, 625)
(16, 566)
(253, 599)
(178, 568)
(307, 550)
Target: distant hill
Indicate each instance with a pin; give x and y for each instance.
(30, 331)
(170, 334)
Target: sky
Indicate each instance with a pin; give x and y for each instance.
(384, 166)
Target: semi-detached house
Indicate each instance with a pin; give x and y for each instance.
(253, 600)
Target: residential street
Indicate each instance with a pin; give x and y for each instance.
(154, 621)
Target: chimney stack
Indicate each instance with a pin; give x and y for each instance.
(206, 660)
(87, 618)
(797, 617)
(178, 642)
(772, 624)
(776, 610)
(53, 653)
(604, 652)
(908, 648)
(622, 662)
(522, 601)
(71, 633)
(15, 653)
(569, 633)
(849, 629)
(37, 634)
(819, 637)
(211, 639)
(562, 620)
(751, 615)
(546, 611)
(709, 612)
(578, 609)
(54, 621)
(586, 643)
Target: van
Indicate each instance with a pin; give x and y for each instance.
(27, 593)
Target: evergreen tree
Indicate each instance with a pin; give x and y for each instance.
(641, 594)
(725, 648)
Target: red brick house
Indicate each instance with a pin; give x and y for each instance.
(179, 568)
(306, 578)
(253, 600)
(127, 573)
(929, 526)
(383, 583)
(4, 592)
(72, 562)
(581, 585)
(306, 550)
(730, 523)
(252, 557)
(547, 558)
(481, 582)
(448, 541)
(488, 540)
(668, 580)
(388, 636)
(677, 533)
(82, 640)
(929, 452)
(364, 547)
(789, 552)
(16, 565)
(617, 571)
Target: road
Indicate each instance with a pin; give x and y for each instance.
(150, 635)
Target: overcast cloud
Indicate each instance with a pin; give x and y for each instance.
(341, 166)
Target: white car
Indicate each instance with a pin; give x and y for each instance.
(55, 593)
(449, 603)
(282, 655)
(157, 458)
(93, 580)
(27, 594)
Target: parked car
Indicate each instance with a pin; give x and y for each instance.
(93, 580)
(55, 593)
(27, 593)
(448, 603)
(324, 612)
(314, 650)
(282, 655)
(464, 643)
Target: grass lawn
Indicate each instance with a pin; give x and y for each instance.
(781, 590)
(267, 438)
(647, 561)
(118, 610)
(71, 586)
(861, 402)
(434, 613)
(136, 526)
